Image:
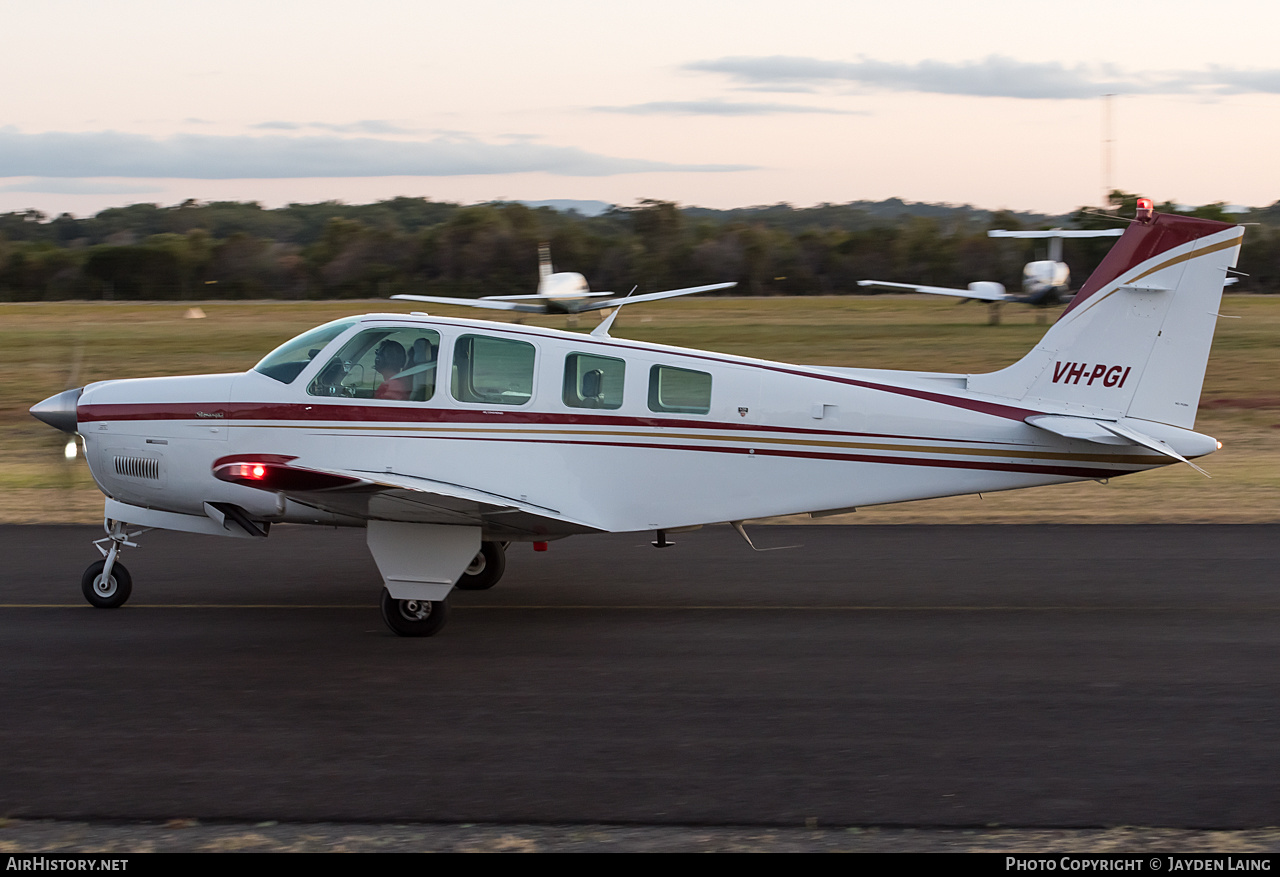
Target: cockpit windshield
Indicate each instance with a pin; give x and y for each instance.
(288, 360)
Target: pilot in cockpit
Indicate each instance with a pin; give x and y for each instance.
(388, 361)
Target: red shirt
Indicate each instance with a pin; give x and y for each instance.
(396, 388)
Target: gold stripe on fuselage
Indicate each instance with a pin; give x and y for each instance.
(483, 434)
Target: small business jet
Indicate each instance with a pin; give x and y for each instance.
(448, 439)
(559, 292)
(1045, 282)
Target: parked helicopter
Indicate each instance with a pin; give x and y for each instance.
(447, 438)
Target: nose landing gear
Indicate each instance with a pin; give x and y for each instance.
(107, 591)
(106, 584)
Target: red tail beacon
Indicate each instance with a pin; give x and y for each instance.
(1146, 210)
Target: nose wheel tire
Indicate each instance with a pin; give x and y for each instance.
(485, 570)
(414, 617)
(108, 593)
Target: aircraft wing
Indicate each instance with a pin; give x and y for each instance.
(395, 496)
(1059, 233)
(540, 297)
(651, 296)
(983, 290)
(529, 307)
(542, 304)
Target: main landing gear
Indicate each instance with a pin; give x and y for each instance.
(106, 584)
(486, 569)
(414, 617)
(428, 617)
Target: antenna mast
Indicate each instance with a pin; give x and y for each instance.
(1107, 141)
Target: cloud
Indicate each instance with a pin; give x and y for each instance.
(364, 126)
(719, 107)
(74, 186)
(208, 157)
(994, 76)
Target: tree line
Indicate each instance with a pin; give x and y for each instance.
(236, 250)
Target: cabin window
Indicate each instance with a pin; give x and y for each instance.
(593, 381)
(679, 390)
(288, 360)
(492, 371)
(392, 363)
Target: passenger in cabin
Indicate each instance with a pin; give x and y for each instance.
(388, 361)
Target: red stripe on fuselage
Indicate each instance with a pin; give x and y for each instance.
(347, 413)
(327, 413)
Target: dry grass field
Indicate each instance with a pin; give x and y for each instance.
(45, 348)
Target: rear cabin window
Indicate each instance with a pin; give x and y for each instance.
(392, 363)
(492, 371)
(593, 381)
(679, 390)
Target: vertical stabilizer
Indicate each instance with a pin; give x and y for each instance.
(1135, 341)
(544, 262)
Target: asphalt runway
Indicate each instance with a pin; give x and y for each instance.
(875, 676)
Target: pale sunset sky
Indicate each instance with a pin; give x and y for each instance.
(720, 104)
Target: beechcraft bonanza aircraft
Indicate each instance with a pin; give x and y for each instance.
(1045, 282)
(559, 292)
(447, 439)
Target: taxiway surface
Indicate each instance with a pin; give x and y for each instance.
(913, 675)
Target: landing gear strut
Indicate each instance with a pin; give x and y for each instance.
(106, 584)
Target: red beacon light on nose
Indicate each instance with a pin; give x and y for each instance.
(1146, 210)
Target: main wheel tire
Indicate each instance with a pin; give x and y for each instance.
(109, 594)
(414, 617)
(486, 569)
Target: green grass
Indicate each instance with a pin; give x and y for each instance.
(45, 348)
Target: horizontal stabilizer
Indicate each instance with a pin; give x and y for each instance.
(1105, 432)
(1080, 428)
(1154, 444)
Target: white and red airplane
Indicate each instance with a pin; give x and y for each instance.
(560, 292)
(1046, 283)
(448, 438)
